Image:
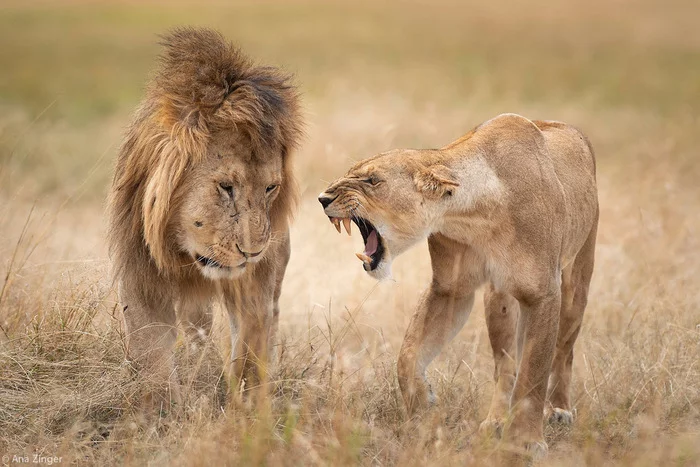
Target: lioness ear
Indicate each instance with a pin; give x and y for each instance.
(435, 181)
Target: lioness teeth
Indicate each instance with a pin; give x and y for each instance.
(346, 223)
(336, 223)
(364, 258)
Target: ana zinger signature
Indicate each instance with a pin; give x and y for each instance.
(35, 458)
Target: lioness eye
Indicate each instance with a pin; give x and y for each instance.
(271, 188)
(371, 180)
(227, 189)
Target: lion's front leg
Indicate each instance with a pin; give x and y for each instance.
(151, 333)
(195, 317)
(250, 304)
(285, 250)
(440, 316)
(250, 331)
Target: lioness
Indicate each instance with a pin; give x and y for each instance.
(512, 202)
(201, 202)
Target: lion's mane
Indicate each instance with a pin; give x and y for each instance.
(204, 84)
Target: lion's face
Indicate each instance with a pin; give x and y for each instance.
(223, 220)
(386, 198)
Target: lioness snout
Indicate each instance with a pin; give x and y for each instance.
(325, 200)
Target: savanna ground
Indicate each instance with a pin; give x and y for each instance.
(374, 76)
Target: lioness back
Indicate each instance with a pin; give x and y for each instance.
(574, 164)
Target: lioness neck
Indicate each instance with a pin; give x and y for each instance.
(471, 206)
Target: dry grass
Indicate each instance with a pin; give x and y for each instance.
(374, 77)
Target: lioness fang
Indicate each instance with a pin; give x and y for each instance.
(336, 222)
(364, 258)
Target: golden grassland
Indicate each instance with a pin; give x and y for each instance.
(374, 76)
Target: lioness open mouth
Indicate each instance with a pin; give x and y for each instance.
(374, 249)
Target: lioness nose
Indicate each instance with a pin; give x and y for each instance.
(325, 200)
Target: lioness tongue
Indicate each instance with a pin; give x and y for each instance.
(372, 243)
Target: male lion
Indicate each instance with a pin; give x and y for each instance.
(512, 202)
(201, 203)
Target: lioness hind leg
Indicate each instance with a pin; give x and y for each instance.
(536, 341)
(502, 312)
(441, 314)
(575, 284)
(557, 408)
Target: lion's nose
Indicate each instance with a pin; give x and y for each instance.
(325, 200)
(247, 254)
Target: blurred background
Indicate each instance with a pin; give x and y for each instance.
(375, 76)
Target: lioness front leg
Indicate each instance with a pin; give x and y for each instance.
(441, 314)
(537, 334)
(151, 334)
(502, 312)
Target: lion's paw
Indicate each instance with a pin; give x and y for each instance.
(559, 416)
(432, 398)
(491, 428)
(536, 449)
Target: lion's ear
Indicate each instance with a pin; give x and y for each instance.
(435, 181)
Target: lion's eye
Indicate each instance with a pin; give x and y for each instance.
(226, 189)
(271, 188)
(372, 180)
